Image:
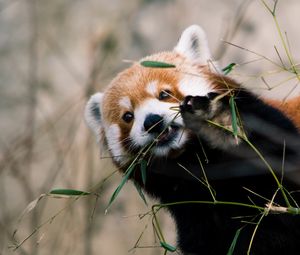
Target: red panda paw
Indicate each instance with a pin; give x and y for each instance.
(198, 107)
(195, 110)
(199, 111)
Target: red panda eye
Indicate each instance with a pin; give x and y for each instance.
(128, 117)
(164, 94)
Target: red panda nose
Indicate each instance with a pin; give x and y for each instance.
(154, 123)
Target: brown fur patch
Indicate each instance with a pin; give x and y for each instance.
(222, 83)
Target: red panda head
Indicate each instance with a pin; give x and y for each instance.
(138, 107)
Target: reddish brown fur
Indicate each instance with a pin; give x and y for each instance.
(132, 83)
(291, 108)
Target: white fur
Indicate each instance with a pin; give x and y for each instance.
(94, 123)
(154, 106)
(194, 86)
(113, 134)
(125, 102)
(200, 53)
(151, 88)
(150, 106)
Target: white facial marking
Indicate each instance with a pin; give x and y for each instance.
(192, 85)
(153, 106)
(113, 134)
(125, 102)
(151, 88)
(150, 106)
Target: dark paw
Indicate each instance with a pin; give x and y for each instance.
(194, 103)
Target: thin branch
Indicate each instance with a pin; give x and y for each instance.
(253, 52)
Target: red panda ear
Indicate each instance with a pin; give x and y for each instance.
(193, 45)
(93, 114)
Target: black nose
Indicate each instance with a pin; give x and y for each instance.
(154, 123)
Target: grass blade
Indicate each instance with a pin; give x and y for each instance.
(69, 192)
(156, 64)
(122, 183)
(140, 191)
(233, 244)
(233, 117)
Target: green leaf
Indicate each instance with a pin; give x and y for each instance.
(140, 191)
(69, 192)
(233, 116)
(122, 183)
(232, 246)
(156, 64)
(229, 68)
(143, 170)
(168, 247)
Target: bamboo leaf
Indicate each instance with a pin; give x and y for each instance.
(140, 191)
(227, 69)
(122, 183)
(69, 192)
(233, 244)
(168, 247)
(156, 64)
(143, 166)
(233, 116)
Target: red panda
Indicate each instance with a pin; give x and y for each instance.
(181, 113)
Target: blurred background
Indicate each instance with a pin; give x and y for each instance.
(53, 56)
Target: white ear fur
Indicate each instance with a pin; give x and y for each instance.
(92, 113)
(193, 44)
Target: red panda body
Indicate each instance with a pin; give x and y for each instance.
(179, 115)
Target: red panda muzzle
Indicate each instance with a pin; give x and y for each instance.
(154, 123)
